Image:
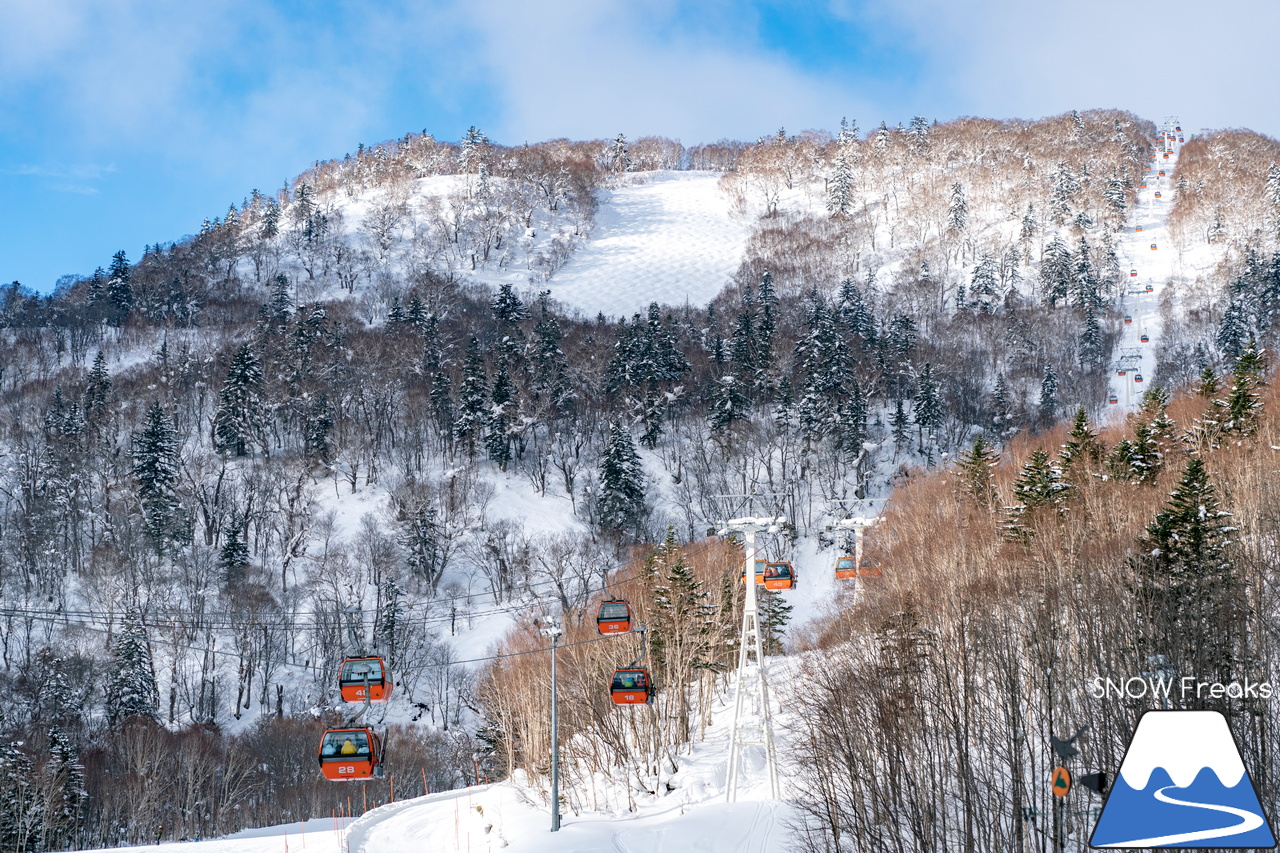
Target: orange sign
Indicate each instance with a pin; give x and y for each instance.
(1061, 781)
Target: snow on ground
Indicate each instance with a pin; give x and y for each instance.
(669, 238)
(693, 816)
(318, 835)
(1165, 267)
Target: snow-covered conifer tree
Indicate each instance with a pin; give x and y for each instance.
(621, 506)
(131, 682)
(238, 422)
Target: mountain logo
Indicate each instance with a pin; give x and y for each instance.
(1183, 784)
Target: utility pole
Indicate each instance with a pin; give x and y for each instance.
(759, 731)
(552, 630)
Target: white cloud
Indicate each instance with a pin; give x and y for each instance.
(1211, 64)
(592, 68)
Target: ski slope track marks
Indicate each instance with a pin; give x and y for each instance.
(669, 238)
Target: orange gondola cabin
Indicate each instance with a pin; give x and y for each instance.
(1158, 195)
(1149, 287)
(773, 575)
(613, 617)
(1144, 339)
(1137, 377)
(1137, 228)
(357, 672)
(1133, 273)
(846, 567)
(631, 686)
(1113, 399)
(1128, 318)
(350, 755)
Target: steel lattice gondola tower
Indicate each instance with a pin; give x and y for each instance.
(754, 726)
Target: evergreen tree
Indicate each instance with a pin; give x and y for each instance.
(472, 150)
(1048, 396)
(1038, 486)
(550, 366)
(1208, 385)
(316, 429)
(1232, 331)
(1138, 459)
(1082, 448)
(442, 407)
(1085, 286)
(1030, 226)
(928, 407)
(621, 504)
(1001, 409)
(984, 288)
(95, 394)
(974, 468)
(1056, 271)
(470, 418)
(279, 308)
(1242, 403)
(957, 210)
(840, 185)
(1064, 188)
(651, 412)
(898, 422)
(728, 405)
(508, 313)
(131, 681)
(270, 219)
(1117, 196)
(1191, 595)
(21, 812)
(920, 136)
(502, 399)
(390, 623)
(155, 467)
(852, 417)
(853, 314)
(1091, 348)
(233, 556)
(742, 340)
(238, 422)
(820, 360)
(64, 779)
(766, 329)
(119, 289)
(774, 614)
(619, 160)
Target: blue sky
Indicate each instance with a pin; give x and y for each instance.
(127, 122)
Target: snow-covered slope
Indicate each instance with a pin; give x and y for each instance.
(1150, 253)
(669, 237)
